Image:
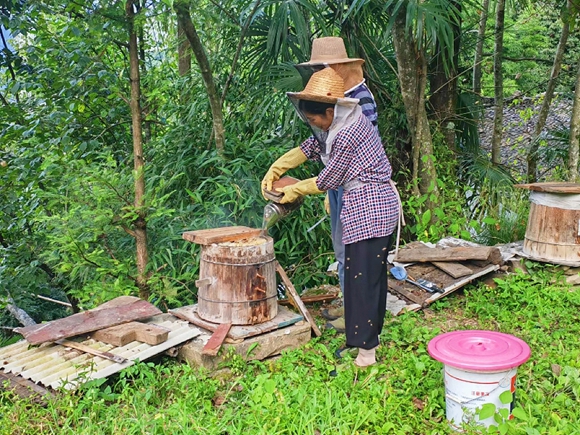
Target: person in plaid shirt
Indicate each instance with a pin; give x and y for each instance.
(349, 145)
(330, 52)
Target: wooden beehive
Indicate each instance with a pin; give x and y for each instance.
(237, 276)
(553, 231)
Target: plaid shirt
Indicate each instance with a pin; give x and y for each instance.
(366, 101)
(368, 211)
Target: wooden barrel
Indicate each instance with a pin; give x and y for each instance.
(238, 282)
(553, 231)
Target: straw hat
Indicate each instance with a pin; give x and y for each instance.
(325, 86)
(329, 50)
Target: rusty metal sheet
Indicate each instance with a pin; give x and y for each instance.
(87, 321)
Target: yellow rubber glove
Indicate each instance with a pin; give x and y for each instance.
(304, 187)
(327, 204)
(293, 158)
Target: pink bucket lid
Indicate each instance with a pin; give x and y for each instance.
(479, 350)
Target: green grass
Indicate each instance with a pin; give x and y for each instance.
(403, 394)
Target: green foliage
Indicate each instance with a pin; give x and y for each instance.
(404, 393)
(506, 222)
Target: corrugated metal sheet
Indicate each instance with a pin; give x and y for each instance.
(54, 365)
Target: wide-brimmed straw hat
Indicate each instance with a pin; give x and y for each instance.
(329, 50)
(325, 86)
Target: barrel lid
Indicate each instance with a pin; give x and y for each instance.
(479, 350)
(551, 187)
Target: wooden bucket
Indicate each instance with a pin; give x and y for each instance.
(553, 231)
(238, 282)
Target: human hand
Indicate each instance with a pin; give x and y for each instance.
(294, 191)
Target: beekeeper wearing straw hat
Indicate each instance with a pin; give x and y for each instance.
(330, 52)
(354, 159)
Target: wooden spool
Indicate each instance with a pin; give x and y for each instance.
(238, 282)
(553, 231)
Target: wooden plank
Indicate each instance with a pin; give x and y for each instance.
(121, 335)
(291, 291)
(456, 270)
(398, 287)
(551, 187)
(220, 235)
(424, 255)
(87, 321)
(213, 345)
(284, 318)
(458, 284)
(87, 349)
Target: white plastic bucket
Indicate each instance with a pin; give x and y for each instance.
(479, 366)
(466, 391)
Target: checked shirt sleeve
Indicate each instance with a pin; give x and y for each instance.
(311, 149)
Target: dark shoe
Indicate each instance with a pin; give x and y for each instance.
(333, 313)
(341, 351)
(338, 325)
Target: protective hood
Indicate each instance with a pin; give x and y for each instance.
(346, 112)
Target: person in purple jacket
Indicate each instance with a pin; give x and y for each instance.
(330, 52)
(354, 158)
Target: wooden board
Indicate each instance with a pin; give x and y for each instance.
(422, 255)
(291, 292)
(254, 348)
(284, 318)
(456, 270)
(274, 194)
(121, 335)
(220, 235)
(399, 288)
(214, 344)
(428, 271)
(87, 321)
(553, 187)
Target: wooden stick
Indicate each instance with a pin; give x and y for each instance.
(46, 298)
(83, 348)
(310, 299)
(297, 301)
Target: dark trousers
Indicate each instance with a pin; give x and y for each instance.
(365, 291)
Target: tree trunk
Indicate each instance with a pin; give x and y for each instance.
(574, 150)
(412, 71)
(140, 223)
(183, 52)
(543, 115)
(479, 48)
(19, 314)
(184, 20)
(443, 84)
(498, 82)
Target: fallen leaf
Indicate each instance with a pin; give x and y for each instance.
(419, 404)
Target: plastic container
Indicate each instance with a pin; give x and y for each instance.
(478, 367)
